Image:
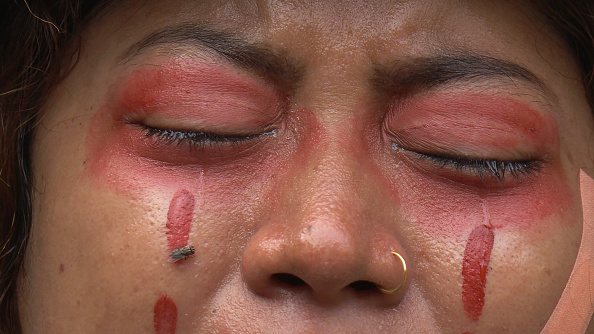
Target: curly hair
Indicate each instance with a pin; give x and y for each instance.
(37, 40)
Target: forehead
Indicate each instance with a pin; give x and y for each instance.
(345, 24)
(335, 34)
(342, 41)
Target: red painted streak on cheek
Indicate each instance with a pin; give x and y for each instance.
(474, 270)
(165, 318)
(179, 219)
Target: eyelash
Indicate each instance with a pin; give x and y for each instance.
(483, 167)
(198, 140)
(496, 168)
(480, 167)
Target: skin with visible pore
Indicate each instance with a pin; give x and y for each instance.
(307, 142)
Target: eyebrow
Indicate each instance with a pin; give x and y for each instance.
(424, 73)
(246, 55)
(404, 76)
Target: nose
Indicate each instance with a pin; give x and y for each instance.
(329, 235)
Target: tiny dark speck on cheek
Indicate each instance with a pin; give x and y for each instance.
(62, 268)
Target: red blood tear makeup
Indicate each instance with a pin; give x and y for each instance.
(179, 219)
(474, 269)
(165, 318)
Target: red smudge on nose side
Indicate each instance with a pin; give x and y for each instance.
(179, 219)
(474, 270)
(165, 315)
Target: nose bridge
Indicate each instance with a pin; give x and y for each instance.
(327, 231)
(327, 227)
(329, 184)
(330, 204)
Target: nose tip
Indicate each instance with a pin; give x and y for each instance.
(273, 266)
(329, 233)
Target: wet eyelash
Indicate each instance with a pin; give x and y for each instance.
(197, 139)
(483, 167)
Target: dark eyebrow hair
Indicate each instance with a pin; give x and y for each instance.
(404, 76)
(232, 47)
(409, 76)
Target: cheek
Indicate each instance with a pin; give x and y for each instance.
(116, 159)
(81, 251)
(546, 254)
(445, 209)
(467, 242)
(121, 159)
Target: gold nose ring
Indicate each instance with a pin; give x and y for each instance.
(389, 292)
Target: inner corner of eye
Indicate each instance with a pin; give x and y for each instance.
(396, 146)
(402, 147)
(272, 133)
(132, 119)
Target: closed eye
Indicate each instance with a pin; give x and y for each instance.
(197, 139)
(482, 168)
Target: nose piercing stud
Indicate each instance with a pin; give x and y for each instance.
(389, 292)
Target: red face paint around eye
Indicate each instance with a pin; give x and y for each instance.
(439, 204)
(183, 95)
(474, 270)
(165, 315)
(179, 219)
(198, 96)
(482, 126)
(473, 124)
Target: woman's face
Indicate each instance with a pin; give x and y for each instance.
(295, 146)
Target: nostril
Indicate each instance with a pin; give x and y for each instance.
(288, 279)
(362, 286)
